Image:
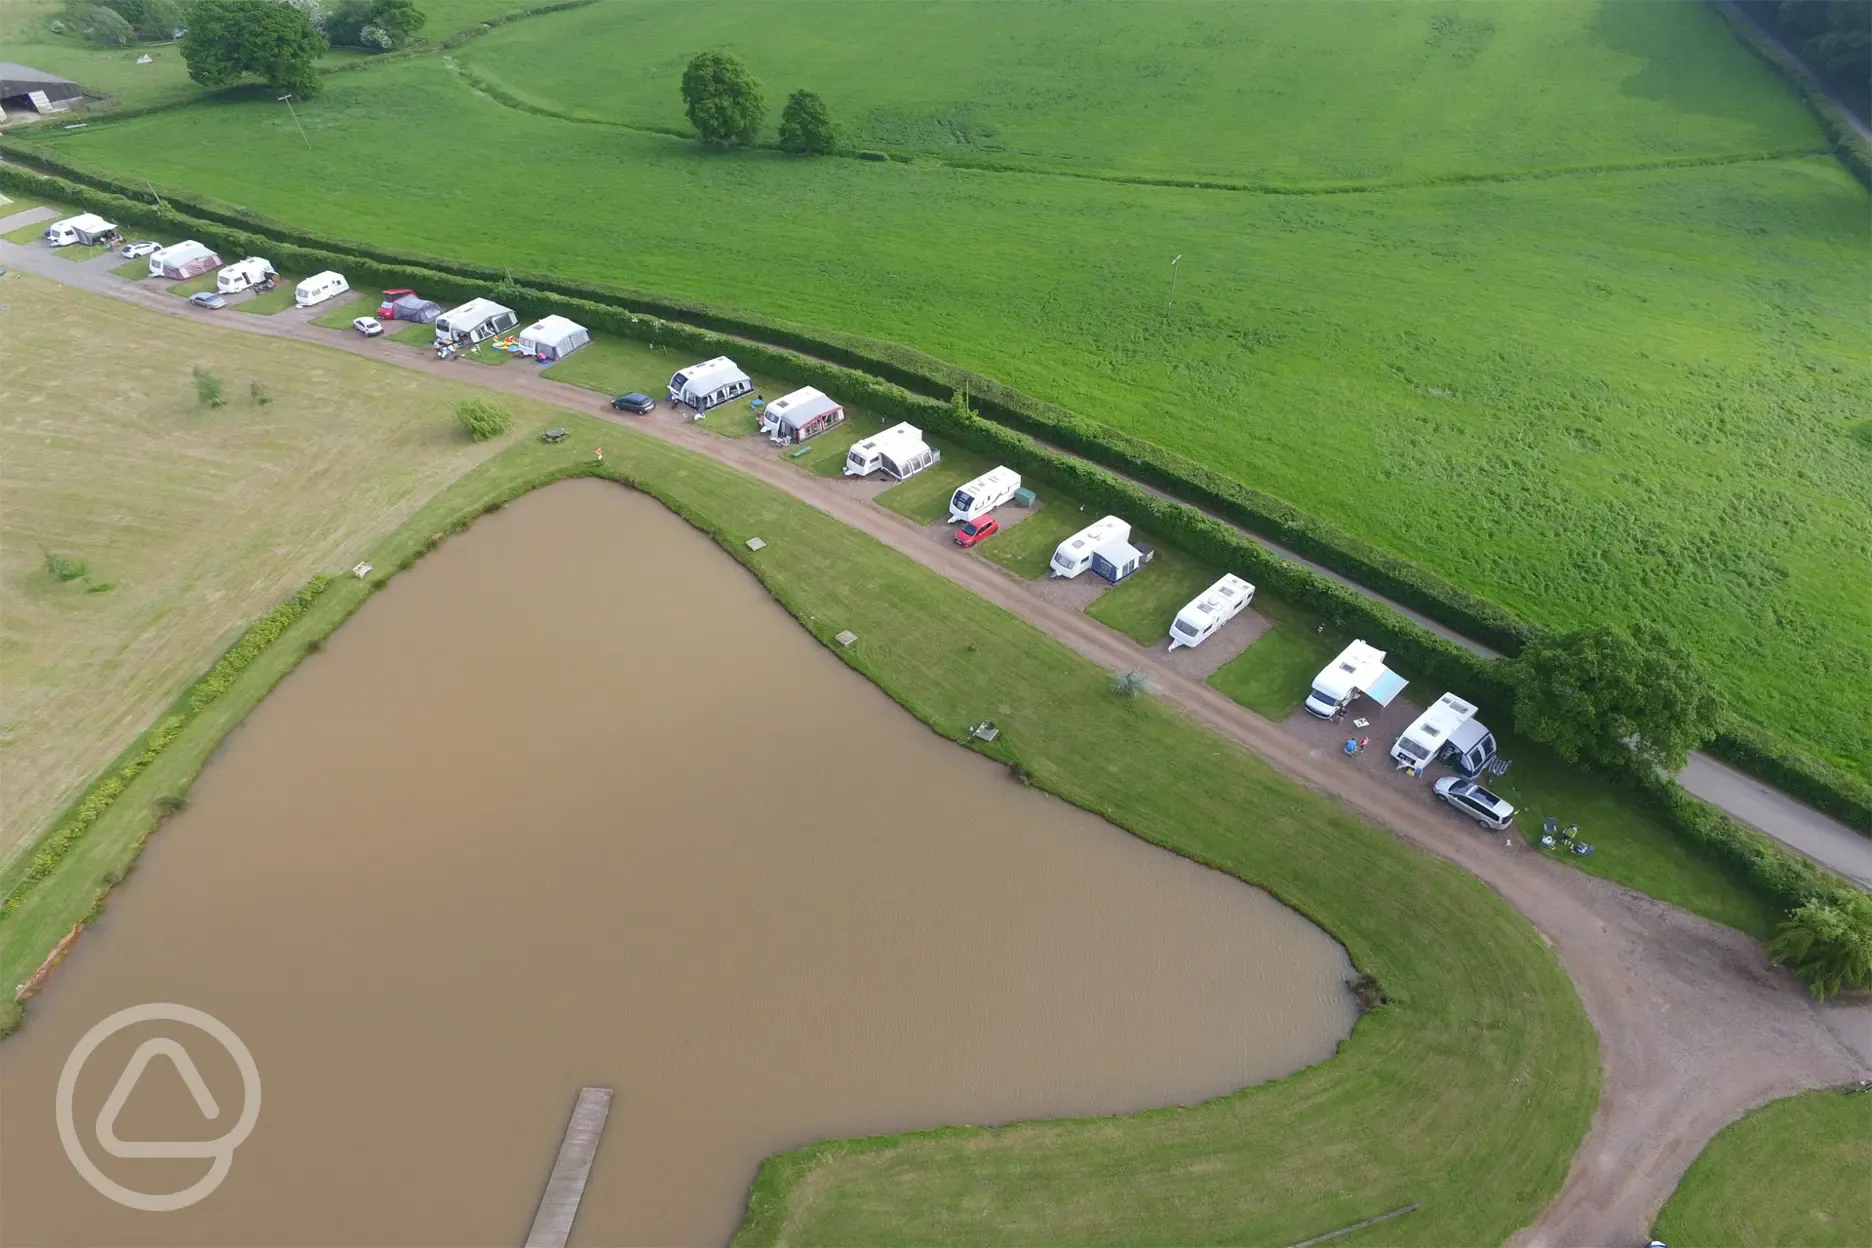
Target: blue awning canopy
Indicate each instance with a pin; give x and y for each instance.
(1388, 685)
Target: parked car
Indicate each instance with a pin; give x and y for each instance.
(976, 531)
(553, 435)
(207, 299)
(386, 311)
(136, 251)
(1478, 803)
(635, 401)
(369, 326)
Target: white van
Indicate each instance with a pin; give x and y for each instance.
(899, 453)
(1074, 555)
(243, 275)
(977, 498)
(1359, 669)
(320, 287)
(1432, 732)
(1210, 610)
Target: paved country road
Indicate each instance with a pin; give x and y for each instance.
(1694, 1026)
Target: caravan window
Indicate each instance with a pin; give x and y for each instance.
(1411, 748)
(1186, 628)
(963, 500)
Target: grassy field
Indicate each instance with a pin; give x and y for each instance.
(614, 366)
(1180, 88)
(1027, 549)
(31, 233)
(925, 497)
(1271, 677)
(198, 519)
(1792, 1174)
(1142, 605)
(1469, 1091)
(276, 300)
(341, 312)
(1610, 397)
(199, 285)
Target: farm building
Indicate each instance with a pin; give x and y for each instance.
(183, 261)
(803, 414)
(553, 338)
(24, 89)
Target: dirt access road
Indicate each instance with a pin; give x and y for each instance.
(1694, 1026)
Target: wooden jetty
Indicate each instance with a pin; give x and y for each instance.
(552, 1225)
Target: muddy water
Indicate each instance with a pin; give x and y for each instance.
(574, 802)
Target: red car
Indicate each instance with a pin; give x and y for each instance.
(386, 311)
(977, 531)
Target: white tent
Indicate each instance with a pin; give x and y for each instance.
(553, 337)
(709, 384)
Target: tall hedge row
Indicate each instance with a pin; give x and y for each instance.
(1019, 430)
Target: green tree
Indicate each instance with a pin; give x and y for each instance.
(722, 99)
(1588, 693)
(398, 20)
(806, 125)
(229, 40)
(483, 418)
(208, 388)
(1828, 943)
(159, 20)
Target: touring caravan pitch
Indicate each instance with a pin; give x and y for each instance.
(899, 453)
(473, 322)
(1074, 555)
(709, 384)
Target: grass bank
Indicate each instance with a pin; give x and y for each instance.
(1790, 1173)
(1468, 1091)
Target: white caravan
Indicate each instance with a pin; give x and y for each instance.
(320, 287)
(899, 453)
(709, 384)
(1436, 729)
(803, 414)
(977, 498)
(183, 261)
(1210, 610)
(243, 275)
(1074, 555)
(1359, 669)
(87, 228)
(475, 321)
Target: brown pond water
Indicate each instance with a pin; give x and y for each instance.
(522, 826)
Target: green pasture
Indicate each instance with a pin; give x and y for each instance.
(1277, 93)
(1792, 1173)
(1142, 605)
(1612, 397)
(1468, 1091)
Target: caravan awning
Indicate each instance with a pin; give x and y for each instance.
(1388, 685)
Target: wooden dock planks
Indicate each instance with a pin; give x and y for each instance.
(552, 1225)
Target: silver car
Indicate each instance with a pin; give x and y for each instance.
(1478, 803)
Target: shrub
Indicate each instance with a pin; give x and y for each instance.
(258, 394)
(1130, 684)
(59, 568)
(1828, 942)
(102, 26)
(208, 389)
(483, 418)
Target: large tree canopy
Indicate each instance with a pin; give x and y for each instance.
(229, 40)
(1589, 693)
(723, 100)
